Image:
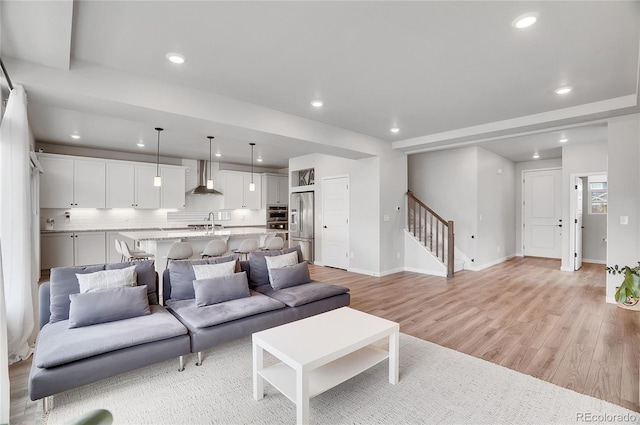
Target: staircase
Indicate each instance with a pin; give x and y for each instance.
(432, 231)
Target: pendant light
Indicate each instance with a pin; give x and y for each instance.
(210, 178)
(157, 180)
(252, 185)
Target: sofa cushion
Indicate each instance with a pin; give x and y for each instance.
(220, 289)
(303, 294)
(278, 261)
(206, 271)
(259, 273)
(57, 344)
(202, 317)
(146, 275)
(91, 308)
(64, 282)
(107, 279)
(182, 275)
(285, 277)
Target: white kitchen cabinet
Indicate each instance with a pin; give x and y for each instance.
(277, 190)
(146, 194)
(120, 184)
(56, 184)
(237, 194)
(89, 183)
(56, 250)
(72, 249)
(70, 182)
(172, 193)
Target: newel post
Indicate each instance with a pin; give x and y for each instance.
(451, 248)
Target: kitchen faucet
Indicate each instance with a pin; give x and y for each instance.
(210, 219)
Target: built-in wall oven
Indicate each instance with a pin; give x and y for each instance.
(277, 217)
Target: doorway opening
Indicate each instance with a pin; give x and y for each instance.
(588, 213)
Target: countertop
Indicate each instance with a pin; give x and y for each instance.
(139, 229)
(198, 234)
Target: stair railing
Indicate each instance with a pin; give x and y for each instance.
(433, 231)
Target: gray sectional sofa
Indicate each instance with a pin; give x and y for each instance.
(81, 344)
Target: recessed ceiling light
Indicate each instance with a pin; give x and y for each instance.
(395, 129)
(175, 58)
(563, 90)
(259, 159)
(75, 136)
(218, 154)
(317, 103)
(563, 140)
(536, 156)
(525, 21)
(140, 144)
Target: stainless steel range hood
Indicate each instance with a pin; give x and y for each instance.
(201, 189)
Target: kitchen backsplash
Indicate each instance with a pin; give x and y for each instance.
(129, 218)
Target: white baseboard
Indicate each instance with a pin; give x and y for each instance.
(365, 272)
(611, 300)
(392, 271)
(566, 269)
(492, 263)
(425, 271)
(585, 260)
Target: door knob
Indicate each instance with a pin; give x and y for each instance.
(324, 227)
(559, 225)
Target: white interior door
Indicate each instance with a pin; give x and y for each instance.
(335, 222)
(577, 226)
(542, 224)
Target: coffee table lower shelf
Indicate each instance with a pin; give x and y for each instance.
(283, 377)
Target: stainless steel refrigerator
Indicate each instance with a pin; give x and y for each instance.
(301, 227)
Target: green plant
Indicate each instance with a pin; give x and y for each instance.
(629, 290)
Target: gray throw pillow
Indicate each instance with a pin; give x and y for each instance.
(63, 283)
(217, 290)
(285, 277)
(259, 272)
(91, 308)
(181, 275)
(147, 275)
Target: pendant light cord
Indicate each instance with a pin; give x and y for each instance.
(158, 129)
(210, 137)
(252, 145)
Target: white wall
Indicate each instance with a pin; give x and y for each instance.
(496, 209)
(393, 189)
(581, 159)
(447, 182)
(594, 247)
(520, 167)
(364, 206)
(623, 241)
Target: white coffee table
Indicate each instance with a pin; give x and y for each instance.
(320, 352)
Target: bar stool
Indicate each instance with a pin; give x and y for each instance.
(246, 247)
(275, 242)
(215, 248)
(179, 251)
(133, 255)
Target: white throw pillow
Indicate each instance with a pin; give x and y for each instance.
(279, 261)
(107, 279)
(207, 271)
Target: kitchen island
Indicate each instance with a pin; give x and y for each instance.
(158, 242)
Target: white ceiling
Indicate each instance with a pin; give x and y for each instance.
(443, 72)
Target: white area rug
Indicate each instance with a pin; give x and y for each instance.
(437, 385)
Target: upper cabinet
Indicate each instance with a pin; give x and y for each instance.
(99, 183)
(236, 191)
(172, 193)
(276, 190)
(70, 182)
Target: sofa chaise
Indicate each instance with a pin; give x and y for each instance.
(72, 351)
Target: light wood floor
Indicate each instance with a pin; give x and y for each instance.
(524, 314)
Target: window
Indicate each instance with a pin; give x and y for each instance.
(597, 194)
